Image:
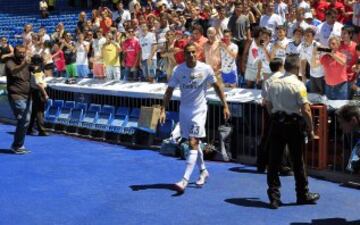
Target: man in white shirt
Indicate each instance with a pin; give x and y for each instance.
(281, 8)
(307, 55)
(330, 27)
(148, 53)
(270, 20)
(303, 4)
(228, 53)
(193, 78)
(120, 16)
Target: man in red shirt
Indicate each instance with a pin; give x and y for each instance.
(340, 8)
(320, 7)
(131, 50)
(199, 41)
(348, 48)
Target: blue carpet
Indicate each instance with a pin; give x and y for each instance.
(66, 180)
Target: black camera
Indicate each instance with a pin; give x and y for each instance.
(320, 49)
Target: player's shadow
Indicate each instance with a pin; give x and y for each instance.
(329, 221)
(143, 187)
(240, 169)
(253, 203)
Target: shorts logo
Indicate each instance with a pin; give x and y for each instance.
(195, 129)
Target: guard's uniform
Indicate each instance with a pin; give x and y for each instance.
(287, 94)
(193, 83)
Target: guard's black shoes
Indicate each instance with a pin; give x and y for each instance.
(274, 204)
(309, 198)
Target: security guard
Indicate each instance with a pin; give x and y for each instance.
(290, 123)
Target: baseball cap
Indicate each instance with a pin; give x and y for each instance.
(308, 15)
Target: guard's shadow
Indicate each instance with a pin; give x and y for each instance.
(6, 151)
(143, 187)
(253, 202)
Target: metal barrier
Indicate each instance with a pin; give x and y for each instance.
(329, 151)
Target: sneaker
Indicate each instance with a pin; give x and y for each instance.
(204, 175)
(43, 134)
(308, 198)
(181, 185)
(20, 151)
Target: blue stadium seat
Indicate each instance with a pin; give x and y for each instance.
(75, 117)
(132, 121)
(108, 109)
(94, 107)
(49, 103)
(164, 130)
(81, 105)
(69, 105)
(58, 103)
(51, 117)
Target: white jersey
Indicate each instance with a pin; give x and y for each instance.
(305, 6)
(282, 10)
(271, 22)
(81, 54)
(97, 45)
(325, 31)
(193, 83)
(281, 52)
(147, 43)
(293, 48)
(306, 52)
(264, 61)
(228, 63)
(356, 15)
(253, 57)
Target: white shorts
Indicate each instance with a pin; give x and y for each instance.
(192, 124)
(250, 74)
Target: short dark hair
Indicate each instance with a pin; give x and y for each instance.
(275, 64)
(265, 31)
(199, 28)
(299, 29)
(349, 29)
(256, 32)
(188, 45)
(310, 30)
(292, 62)
(227, 31)
(331, 11)
(281, 27)
(347, 112)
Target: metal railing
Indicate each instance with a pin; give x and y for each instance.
(328, 152)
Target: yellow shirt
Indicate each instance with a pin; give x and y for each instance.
(110, 55)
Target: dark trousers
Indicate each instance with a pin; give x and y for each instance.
(263, 154)
(37, 114)
(289, 131)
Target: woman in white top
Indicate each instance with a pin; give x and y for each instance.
(82, 63)
(47, 58)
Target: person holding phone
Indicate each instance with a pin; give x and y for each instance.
(336, 79)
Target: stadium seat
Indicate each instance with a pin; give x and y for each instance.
(58, 103)
(74, 120)
(51, 117)
(132, 121)
(81, 105)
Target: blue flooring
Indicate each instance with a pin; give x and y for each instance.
(67, 180)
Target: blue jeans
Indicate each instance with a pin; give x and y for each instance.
(127, 71)
(149, 70)
(22, 112)
(337, 92)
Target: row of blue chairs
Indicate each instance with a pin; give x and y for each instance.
(101, 121)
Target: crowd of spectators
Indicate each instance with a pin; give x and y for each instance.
(144, 41)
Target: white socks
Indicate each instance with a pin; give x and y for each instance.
(190, 163)
(200, 160)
